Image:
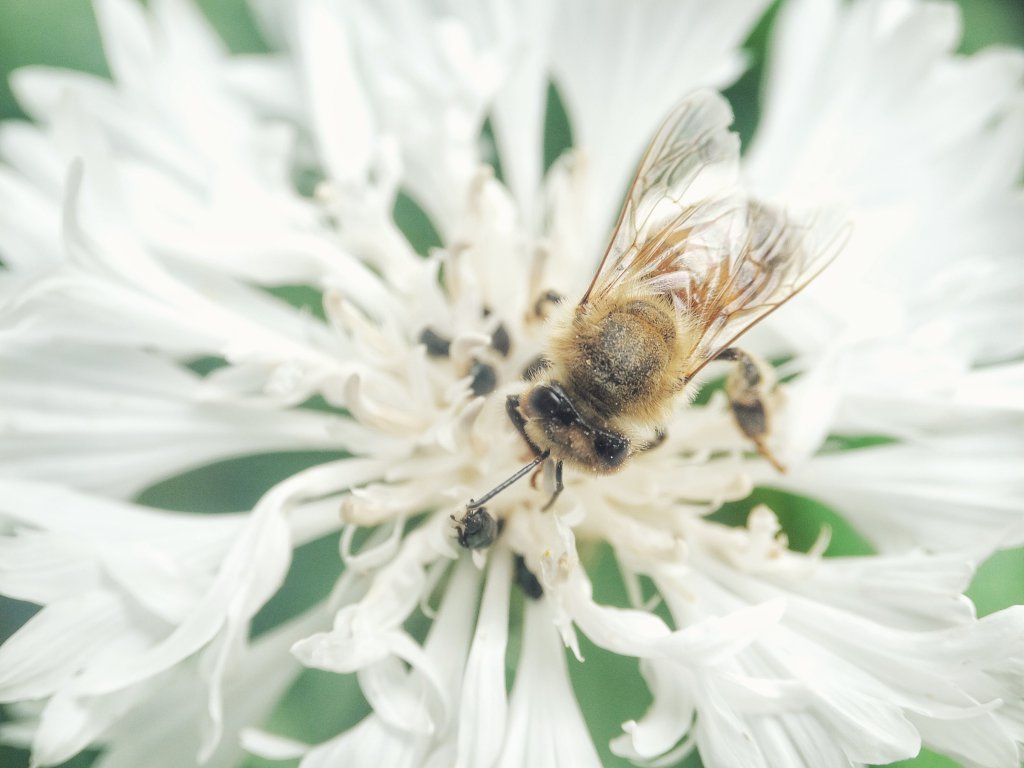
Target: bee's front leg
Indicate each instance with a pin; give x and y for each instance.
(660, 436)
(559, 487)
(749, 387)
(519, 422)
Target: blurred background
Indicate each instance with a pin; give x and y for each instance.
(63, 33)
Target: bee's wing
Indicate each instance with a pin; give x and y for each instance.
(727, 281)
(693, 141)
(686, 231)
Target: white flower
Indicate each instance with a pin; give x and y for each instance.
(149, 227)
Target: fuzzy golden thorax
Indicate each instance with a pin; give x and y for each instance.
(616, 366)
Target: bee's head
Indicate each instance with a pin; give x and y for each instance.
(554, 423)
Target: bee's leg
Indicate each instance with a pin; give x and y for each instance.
(749, 387)
(559, 487)
(535, 367)
(519, 422)
(475, 504)
(660, 436)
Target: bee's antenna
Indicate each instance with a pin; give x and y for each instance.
(477, 503)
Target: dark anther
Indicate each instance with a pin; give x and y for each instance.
(501, 341)
(477, 529)
(527, 581)
(612, 448)
(436, 344)
(534, 368)
(541, 306)
(485, 378)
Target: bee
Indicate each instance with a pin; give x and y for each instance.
(693, 263)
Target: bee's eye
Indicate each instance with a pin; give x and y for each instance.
(549, 403)
(611, 448)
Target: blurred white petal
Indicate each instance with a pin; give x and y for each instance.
(643, 58)
(545, 726)
(118, 421)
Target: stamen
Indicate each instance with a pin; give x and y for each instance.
(527, 581)
(485, 378)
(501, 341)
(436, 344)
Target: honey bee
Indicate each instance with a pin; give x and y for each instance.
(693, 263)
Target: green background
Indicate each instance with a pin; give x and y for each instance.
(63, 33)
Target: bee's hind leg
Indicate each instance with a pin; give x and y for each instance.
(749, 387)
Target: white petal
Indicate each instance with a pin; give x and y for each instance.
(642, 58)
(250, 572)
(545, 726)
(640, 633)
(867, 668)
(948, 493)
(68, 725)
(80, 534)
(483, 706)
(370, 743)
(118, 421)
(340, 113)
(877, 82)
(370, 630)
(270, 746)
(127, 39)
(163, 730)
(55, 643)
(29, 226)
(432, 683)
(519, 108)
(667, 720)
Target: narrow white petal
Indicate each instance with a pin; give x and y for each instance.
(340, 112)
(519, 107)
(29, 227)
(372, 742)
(545, 727)
(669, 717)
(68, 725)
(947, 493)
(868, 663)
(641, 633)
(271, 746)
(55, 643)
(483, 706)
(127, 39)
(163, 730)
(432, 683)
(643, 58)
(913, 122)
(118, 421)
